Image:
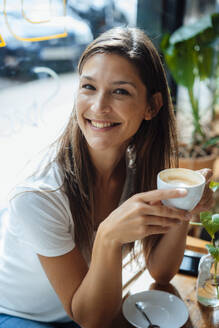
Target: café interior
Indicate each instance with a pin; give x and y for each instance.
(38, 71)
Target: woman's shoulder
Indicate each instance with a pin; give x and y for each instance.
(46, 180)
(41, 185)
(48, 176)
(41, 193)
(39, 213)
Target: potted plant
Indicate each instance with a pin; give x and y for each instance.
(191, 55)
(208, 277)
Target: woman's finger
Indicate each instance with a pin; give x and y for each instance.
(159, 221)
(165, 212)
(161, 194)
(155, 230)
(206, 201)
(203, 207)
(207, 173)
(157, 202)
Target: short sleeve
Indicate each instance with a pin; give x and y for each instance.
(42, 221)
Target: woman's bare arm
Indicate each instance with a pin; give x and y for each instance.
(165, 258)
(92, 296)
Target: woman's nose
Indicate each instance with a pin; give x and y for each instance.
(101, 103)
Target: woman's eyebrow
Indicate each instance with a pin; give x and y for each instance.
(87, 77)
(120, 82)
(125, 82)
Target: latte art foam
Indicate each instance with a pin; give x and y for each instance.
(181, 181)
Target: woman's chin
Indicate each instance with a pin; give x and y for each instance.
(100, 146)
(105, 146)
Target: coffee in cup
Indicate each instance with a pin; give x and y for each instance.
(192, 181)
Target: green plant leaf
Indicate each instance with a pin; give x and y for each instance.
(214, 251)
(214, 185)
(210, 222)
(215, 217)
(186, 32)
(181, 61)
(190, 50)
(165, 41)
(215, 22)
(205, 62)
(214, 141)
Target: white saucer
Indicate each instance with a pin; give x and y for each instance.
(164, 309)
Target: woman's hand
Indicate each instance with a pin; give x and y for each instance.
(207, 200)
(143, 215)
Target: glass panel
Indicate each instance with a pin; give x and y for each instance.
(40, 44)
(196, 9)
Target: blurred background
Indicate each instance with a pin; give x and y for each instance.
(40, 44)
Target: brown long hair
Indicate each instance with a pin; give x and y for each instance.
(155, 141)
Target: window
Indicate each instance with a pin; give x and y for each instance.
(40, 44)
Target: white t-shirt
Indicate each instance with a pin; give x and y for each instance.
(37, 223)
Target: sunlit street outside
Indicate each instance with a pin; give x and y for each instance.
(32, 116)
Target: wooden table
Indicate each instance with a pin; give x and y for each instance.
(183, 286)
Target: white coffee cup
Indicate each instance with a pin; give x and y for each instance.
(192, 181)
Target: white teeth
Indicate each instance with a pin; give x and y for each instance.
(101, 125)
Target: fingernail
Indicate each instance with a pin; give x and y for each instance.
(182, 191)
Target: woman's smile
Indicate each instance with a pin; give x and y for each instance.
(102, 125)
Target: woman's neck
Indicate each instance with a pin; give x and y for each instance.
(108, 165)
(108, 186)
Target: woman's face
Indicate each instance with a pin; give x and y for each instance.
(111, 101)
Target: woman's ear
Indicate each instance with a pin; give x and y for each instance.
(155, 105)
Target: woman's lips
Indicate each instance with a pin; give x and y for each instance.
(102, 124)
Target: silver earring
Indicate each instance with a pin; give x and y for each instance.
(129, 187)
(131, 156)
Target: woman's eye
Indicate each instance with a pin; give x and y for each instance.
(88, 87)
(121, 92)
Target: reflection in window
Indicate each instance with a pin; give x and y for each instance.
(43, 28)
(38, 79)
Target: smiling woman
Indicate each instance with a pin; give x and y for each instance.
(111, 103)
(70, 221)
